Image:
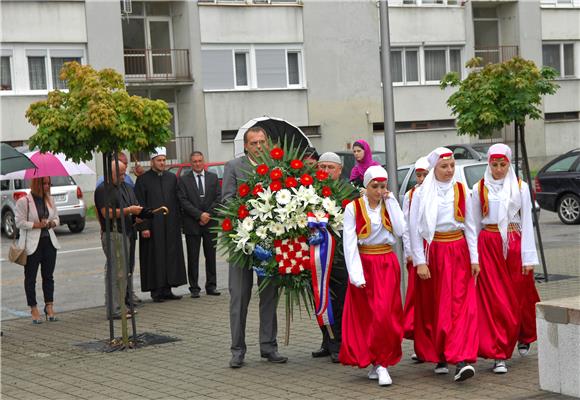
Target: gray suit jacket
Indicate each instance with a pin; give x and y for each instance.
(235, 171)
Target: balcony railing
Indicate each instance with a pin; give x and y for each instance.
(157, 65)
(496, 54)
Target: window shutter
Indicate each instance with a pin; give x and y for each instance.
(271, 68)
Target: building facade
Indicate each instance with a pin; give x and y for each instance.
(314, 63)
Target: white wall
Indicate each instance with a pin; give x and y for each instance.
(560, 23)
(104, 35)
(561, 137)
(567, 98)
(14, 125)
(421, 103)
(428, 25)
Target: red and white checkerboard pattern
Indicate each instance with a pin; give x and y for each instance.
(292, 255)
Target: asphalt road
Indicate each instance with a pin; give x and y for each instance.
(79, 275)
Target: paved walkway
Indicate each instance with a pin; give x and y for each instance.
(41, 361)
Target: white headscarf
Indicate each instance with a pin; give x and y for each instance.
(374, 172)
(506, 189)
(432, 191)
(422, 163)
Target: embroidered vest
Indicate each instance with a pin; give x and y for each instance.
(483, 196)
(459, 195)
(363, 222)
(411, 193)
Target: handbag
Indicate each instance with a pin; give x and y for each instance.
(16, 254)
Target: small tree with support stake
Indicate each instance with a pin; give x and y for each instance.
(97, 114)
(497, 95)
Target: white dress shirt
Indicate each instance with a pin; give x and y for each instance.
(378, 235)
(523, 218)
(406, 237)
(446, 222)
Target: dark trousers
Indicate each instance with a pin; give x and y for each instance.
(45, 256)
(193, 245)
(132, 246)
(338, 285)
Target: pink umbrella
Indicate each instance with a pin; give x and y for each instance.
(49, 164)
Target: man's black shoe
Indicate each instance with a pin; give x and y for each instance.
(321, 352)
(171, 296)
(275, 357)
(213, 292)
(158, 299)
(236, 361)
(334, 358)
(195, 295)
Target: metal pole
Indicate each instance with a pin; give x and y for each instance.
(517, 148)
(107, 181)
(389, 117)
(528, 176)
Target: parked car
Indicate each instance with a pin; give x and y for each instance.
(67, 195)
(473, 151)
(348, 161)
(183, 168)
(558, 187)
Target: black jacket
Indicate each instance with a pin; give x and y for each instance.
(193, 205)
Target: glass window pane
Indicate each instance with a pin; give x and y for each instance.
(396, 66)
(551, 56)
(455, 61)
(241, 69)
(218, 71)
(486, 34)
(434, 64)
(411, 66)
(473, 174)
(6, 76)
(293, 69)
(271, 68)
(37, 73)
(401, 174)
(563, 165)
(56, 66)
(569, 59)
(157, 8)
(133, 33)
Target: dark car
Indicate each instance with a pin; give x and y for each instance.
(473, 151)
(348, 161)
(181, 169)
(558, 187)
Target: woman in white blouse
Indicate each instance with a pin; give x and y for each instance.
(372, 317)
(444, 251)
(505, 290)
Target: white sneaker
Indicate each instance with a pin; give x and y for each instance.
(384, 377)
(499, 367)
(441, 368)
(414, 357)
(523, 349)
(463, 371)
(373, 375)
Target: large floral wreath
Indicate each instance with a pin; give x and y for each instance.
(283, 223)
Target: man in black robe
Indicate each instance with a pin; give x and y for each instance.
(160, 246)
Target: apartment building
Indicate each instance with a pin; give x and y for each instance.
(315, 63)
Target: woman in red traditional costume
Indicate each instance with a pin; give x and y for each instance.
(421, 171)
(372, 318)
(444, 247)
(506, 292)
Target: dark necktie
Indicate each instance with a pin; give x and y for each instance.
(200, 186)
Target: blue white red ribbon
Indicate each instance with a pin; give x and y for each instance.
(321, 256)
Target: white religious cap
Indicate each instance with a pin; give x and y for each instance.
(329, 156)
(377, 173)
(159, 151)
(440, 153)
(499, 150)
(422, 164)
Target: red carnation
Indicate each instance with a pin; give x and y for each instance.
(262, 169)
(290, 182)
(243, 212)
(345, 203)
(306, 180)
(243, 190)
(326, 191)
(257, 189)
(276, 174)
(277, 153)
(321, 175)
(227, 225)
(275, 186)
(296, 164)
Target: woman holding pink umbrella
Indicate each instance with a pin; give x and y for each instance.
(36, 217)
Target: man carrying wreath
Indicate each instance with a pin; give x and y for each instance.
(241, 280)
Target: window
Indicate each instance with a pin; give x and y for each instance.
(257, 67)
(559, 56)
(405, 65)
(37, 73)
(229, 135)
(426, 2)
(311, 131)
(474, 173)
(434, 65)
(562, 165)
(562, 116)
(401, 175)
(57, 63)
(407, 68)
(5, 73)
(5, 184)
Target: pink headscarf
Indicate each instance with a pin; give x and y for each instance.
(358, 172)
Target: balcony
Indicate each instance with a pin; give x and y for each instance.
(157, 65)
(496, 54)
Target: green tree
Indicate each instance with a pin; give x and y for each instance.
(497, 95)
(97, 114)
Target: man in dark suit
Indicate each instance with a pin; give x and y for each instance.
(199, 193)
(241, 280)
